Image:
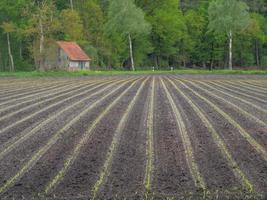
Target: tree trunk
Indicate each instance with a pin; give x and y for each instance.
(158, 62)
(230, 50)
(41, 67)
(211, 65)
(211, 57)
(20, 51)
(131, 52)
(1, 62)
(11, 67)
(71, 5)
(184, 63)
(257, 53)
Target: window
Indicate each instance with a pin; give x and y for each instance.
(81, 65)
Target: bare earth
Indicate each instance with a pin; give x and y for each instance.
(134, 137)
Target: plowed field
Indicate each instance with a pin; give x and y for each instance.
(134, 137)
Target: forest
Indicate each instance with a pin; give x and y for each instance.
(129, 34)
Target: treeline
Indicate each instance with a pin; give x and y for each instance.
(136, 33)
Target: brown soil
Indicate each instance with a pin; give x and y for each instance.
(126, 172)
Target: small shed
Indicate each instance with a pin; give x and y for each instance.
(72, 57)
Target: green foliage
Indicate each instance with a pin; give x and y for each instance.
(124, 18)
(227, 16)
(71, 25)
(165, 33)
(8, 27)
(257, 27)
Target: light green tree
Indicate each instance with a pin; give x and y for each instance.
(128, 20)
(71, 25)
(257, 31)
(9, 27)
(42, 25)
(230, 17)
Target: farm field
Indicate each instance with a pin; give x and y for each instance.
(134, 137)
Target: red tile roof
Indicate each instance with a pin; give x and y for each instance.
(74, 51)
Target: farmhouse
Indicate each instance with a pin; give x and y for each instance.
(71, 56)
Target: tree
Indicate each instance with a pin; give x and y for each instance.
(42, 24)
(169, 36)
(71, 5)
(168, 31)
(230, 17)
(71, 25)
(257, 31)
(9, 28)
(128, 20)
(95, 43)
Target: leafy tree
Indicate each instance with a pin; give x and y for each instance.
(43, 23)
(228, 16)
(181, 32)
(9, 27)
(95, 42)
(168, 30)
(128, 20)
(257, 31)
(71, 4)
(71, 25)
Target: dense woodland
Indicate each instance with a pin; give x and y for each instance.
(161, 33)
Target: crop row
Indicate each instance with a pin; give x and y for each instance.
(238, 96)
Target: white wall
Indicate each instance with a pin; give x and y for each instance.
(87, 65)
(74, 64)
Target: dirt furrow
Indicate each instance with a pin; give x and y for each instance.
(259, 148)
(34, 96)
(189, 153)
(249, 106)
(20, 112)
(250, 86)
(40, 115)
(243, 95)
(171, 176)
(248, 159)
(242, 89)
(126, 174)
(216, 162)
(23, 104)
(31, 82)
(82, 142)
(84, 172)
(24, 166)
(9, 141)
(29, 94)
(36, 88)
(258, 86)
(247, 120)
(13, 109)
(109, 158)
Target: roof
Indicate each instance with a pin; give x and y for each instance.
(73, 50)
